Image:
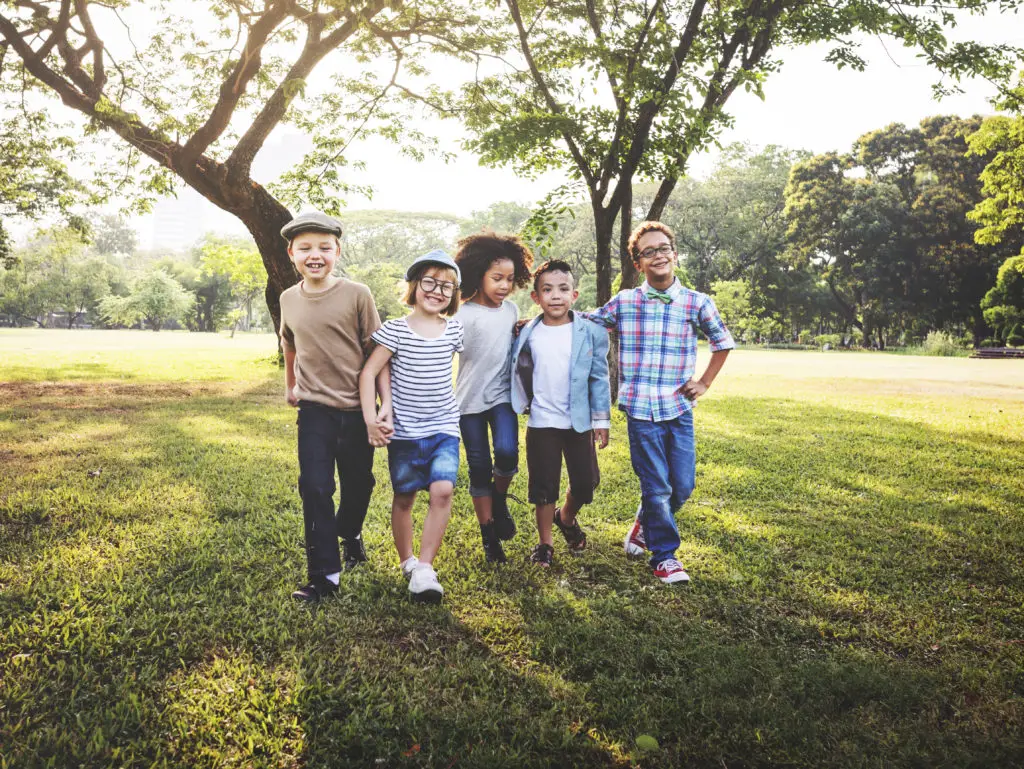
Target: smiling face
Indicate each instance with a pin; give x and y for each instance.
(656, 258)
(498, 282)
(555, 293)
(436, 288)
(314, 255)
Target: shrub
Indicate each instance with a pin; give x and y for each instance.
(990, 342)
(1016, 337)
(940, 343)
(823, 339)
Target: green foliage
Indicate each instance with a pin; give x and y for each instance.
(895, 246)
(54, 276)
(113, 235)
(377, 236)
(155, 299)
(941, 343)
(1003, 305)
(856, 599)
(243, 267)
(387, 284)
(34, 178)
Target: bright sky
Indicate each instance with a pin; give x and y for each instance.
(809, 105)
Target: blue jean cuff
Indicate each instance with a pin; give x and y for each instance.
(480, 491)
(499, 473)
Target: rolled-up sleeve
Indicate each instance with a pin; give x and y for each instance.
(711, 324)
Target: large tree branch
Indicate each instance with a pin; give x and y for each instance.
(232, 89)
(94, 44)
(649, 109)
(552, 104)
(717, 95)
(315, 48)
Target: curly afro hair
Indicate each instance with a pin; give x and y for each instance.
(476, 253)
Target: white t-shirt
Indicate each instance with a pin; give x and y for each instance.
(485, 378)
(551, 349)
(421, 378)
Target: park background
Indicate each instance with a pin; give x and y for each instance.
(855, 537)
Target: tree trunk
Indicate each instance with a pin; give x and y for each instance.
(264, 219)
(604, 226)
(627, 269)
(657, 208)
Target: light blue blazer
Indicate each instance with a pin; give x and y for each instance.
(589, 393)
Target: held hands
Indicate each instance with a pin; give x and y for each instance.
(380, 431)
(601, 437)
(693, 389)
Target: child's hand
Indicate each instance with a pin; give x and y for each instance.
(601, 437)
(519, 327)
(693, 389)
(377, 437)
(289, 395)
(386, 420)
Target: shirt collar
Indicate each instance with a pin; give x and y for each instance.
(673, 290)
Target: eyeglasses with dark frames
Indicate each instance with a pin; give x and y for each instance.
(664, 250)
(429, 284)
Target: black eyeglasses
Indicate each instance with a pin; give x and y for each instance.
(664, 249)
(446, 287)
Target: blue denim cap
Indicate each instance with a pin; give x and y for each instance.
(311, 222)
(437, 256)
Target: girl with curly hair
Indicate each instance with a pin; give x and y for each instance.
(492, 266)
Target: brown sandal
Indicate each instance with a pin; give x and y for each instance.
(574, 535)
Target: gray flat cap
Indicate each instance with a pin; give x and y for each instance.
(311, 222)
(437, 256)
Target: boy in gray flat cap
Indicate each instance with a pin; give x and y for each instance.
(326, 324)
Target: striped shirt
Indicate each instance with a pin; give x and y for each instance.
(421, 378)
(658, 346)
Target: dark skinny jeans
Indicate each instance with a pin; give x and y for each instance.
(329, 437)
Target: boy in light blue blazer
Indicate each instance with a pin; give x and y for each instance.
(560, 377)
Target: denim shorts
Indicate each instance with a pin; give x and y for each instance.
(417, 463)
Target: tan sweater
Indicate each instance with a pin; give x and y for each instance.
(330, 335)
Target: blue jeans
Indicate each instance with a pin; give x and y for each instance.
(419, 462)
(664, 459)
(330, 438)
(504, 426)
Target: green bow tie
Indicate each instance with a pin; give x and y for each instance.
(663, 296)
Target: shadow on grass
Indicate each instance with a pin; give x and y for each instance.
(850, 607)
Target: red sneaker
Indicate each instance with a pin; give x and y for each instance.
(671, 571)
(634, 543)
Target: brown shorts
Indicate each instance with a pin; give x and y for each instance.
(545, 447)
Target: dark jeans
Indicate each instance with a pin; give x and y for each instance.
(664, 459)
(504, 426)
(329, 437)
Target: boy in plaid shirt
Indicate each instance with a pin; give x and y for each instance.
(657, 326)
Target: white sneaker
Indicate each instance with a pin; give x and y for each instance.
(635, 544)
(423, 584)
(408, 565)
(671, 571)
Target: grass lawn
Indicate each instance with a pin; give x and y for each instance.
(856, 542)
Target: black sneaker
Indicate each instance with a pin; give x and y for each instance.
(493, 551)
(352, 552)
(318, 587)
(503, 522)
(542, 555)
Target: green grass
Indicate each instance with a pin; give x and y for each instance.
(856, 542)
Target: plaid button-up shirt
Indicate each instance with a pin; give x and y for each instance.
(658, 346)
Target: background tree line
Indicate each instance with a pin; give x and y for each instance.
(876, 246)
(608, 94)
